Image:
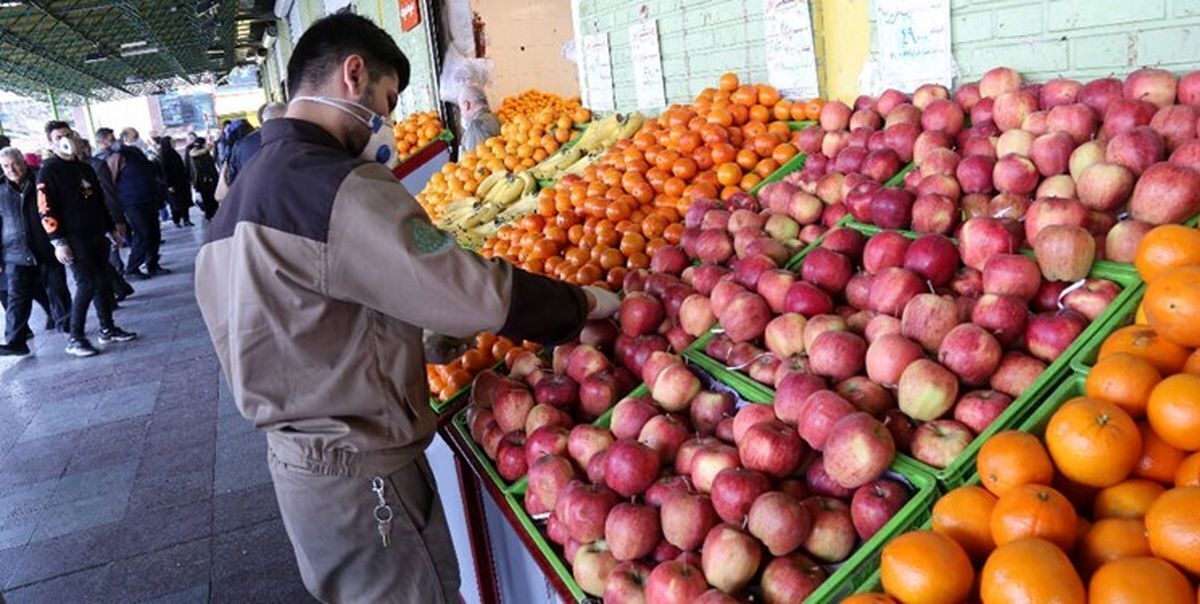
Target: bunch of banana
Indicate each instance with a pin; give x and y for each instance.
(581, 165)
(506, 188)
(598, 137)
(557, 162)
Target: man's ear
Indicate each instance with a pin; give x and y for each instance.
(354, 76)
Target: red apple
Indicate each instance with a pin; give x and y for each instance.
(1003, 316)
(746, 317)
(978, 409)
(675, 582)
(629, 415)
(587, 440)
(807, 299)
(901, 138)
(773, 287)
(583, 508)
(591, 567)
(770, 447)
(981, 238)
(927, 390)
(891, 208)
(1126, 114)
(791, 578)
(1092, 298)
(1012, 108)
(627, 583)
(696, 315)
(780, 521)
(971, 353)
(927, 318)
(686, 519)
(511, 406)
(1166, 193)
(630, 467)
(665, 488)
(881, 325)
(837, 354)
(865, 395)
(888, 356)
(928, 143)
(1017, 372)
(998, 81)
(1189, 89)
(892, 288)
(730, 557)
(943, 115)
(547, 440)
(826, 269)
(834, 116)
(707, 463)
(1015, 142)
(1048, 335)
(792, 394)
(1051, 153)
(586, 360)
(1049, 211)
(1137, 149)
(1176, 124)
(935, 214)
(859, 449)
(632, 530)
(939, 442)
(821, 411)
(1076, 120)
(858, 290)
(1064, 252)
(832, 537)
(1100, 94)
(1187, 155)
(904, 113)
(675, 386)
(1156, 86)
(596, 467)
(750, 415)
(597, 394)
(1015, 174)
(933, 258)
(1012, 275)
(874, 505)
(707, 409)
(1104, 187)
(734, 491)
(664, 434)
(885, 250)
(670, 260)
(510, 456)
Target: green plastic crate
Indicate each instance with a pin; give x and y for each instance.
(543, 544)
(792, 165)
(1082, 363)
(800, 125)
(1022, 406)
(898, 179)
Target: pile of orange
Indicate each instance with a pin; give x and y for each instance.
(416, 131)
(521, 144)
(533, 100)
(594, 228)
(488, 349)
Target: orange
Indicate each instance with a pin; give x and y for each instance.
(1093, 442)
(1013, 458)
(812, 109)
(1164, 248)
(1139, 317)
(1159, 460)
(1027, 571)
(1141, 579)
(1188, 473)
(924, 566)
(1174, 411)
(870, 598)
(1192, 364)
(1112, 539)
(1142, 341)
(728, 82)
(1129, 499)
(1034, 510)
(1173, 525)
(1124, 380)
(1173, 305)
(965, 515)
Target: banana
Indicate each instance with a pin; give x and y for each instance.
(507, 191)
(633, 122)
(486, 213)
(529, 183)
(488, 183)
(597, 133)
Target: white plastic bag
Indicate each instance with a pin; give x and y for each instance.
(459, 71)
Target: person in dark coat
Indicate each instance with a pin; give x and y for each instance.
(203, 172)
(175, 176)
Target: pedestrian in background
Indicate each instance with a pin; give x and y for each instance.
(116, 267)
(175, 176)
(138, 188)
(202, 170)
(71, 204)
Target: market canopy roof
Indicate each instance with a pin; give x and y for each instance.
(113, 48)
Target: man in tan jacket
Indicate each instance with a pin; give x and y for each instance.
(318, 276)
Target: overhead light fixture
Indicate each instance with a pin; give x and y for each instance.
(139, 51)
(136, 44)
(95, 57)
(12, 4)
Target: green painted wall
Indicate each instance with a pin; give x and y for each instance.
(1076, 38)
(698, 40)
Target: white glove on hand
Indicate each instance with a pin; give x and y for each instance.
(602, 303)
(64, 254)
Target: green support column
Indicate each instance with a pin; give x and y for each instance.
(53, 103)
(87, 114)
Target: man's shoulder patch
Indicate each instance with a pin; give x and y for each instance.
(425, 237)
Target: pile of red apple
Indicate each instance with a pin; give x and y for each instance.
(688, 496)
(1108, 158)
(932, 336)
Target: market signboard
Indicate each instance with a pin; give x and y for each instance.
(410, 14)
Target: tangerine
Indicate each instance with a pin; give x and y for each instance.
(1029, 570)
(1124, 380)
(1093, 442)
(965, 515)
(1140, 579)
(1009, 459)
(1174, 411)
(1034, 510)
(1164, 248)
(1188, 473)
(1112, 539)
(924, 566)
(1128, 499)
(1144, 342)
(1159, 460)
(1173, 305)
(1173, 529)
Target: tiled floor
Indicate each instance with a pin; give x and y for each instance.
(130, 476)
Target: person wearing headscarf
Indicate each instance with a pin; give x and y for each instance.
(478, 121)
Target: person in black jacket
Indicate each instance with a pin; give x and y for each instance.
(203, 171)
(175, 175)
(31, 272)
(137, 180)
(71, 204)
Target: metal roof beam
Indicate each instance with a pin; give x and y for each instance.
(17, 41)
(134, 16)
(41, 6)
(37, 81)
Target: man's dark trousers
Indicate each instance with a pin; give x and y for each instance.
(27, 284)
(92, 285)
(146, 233)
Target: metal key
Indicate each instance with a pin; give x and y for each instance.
(382, 512)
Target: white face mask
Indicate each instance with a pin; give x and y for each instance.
(381, 147)
(64, 148)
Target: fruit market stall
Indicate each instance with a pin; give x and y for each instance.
(948, 334)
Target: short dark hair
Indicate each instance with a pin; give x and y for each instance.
(5, 141)
(53, 125)
(330, 40)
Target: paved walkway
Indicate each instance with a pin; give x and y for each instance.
(130, 477)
